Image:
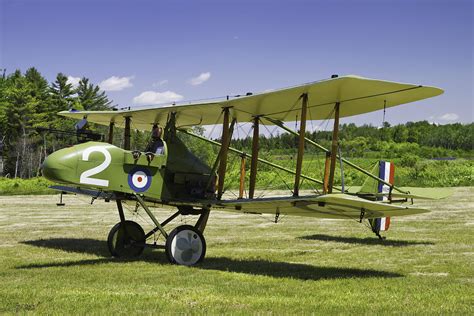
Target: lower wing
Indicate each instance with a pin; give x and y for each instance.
(324, 206)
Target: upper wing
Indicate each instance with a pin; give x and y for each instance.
(325, 206)
(356, 95)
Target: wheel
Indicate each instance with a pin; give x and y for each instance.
(185, 246)
(126, 241)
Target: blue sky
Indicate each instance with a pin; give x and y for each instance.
(143, 52)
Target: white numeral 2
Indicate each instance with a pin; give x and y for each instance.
(85, 176)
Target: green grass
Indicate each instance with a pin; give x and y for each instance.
(54, 260)
(19, 186)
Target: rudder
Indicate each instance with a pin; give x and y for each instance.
(387, 173)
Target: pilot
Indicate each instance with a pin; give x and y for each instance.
(156, 144)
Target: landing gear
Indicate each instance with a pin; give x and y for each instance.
(126, 240)
(376, 228)
(185, 246)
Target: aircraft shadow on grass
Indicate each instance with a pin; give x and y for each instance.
(366, 241)
(254, 267)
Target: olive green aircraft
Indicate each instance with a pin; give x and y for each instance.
(167, 173)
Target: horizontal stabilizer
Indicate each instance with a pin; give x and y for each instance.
(424, 193)
(412, 193)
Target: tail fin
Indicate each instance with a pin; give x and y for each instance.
(387, 173)
(384, 170)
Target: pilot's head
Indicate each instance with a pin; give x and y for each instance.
(156, 132)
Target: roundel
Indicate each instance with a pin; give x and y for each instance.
(139, 179)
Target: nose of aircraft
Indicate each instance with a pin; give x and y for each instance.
(61, 165)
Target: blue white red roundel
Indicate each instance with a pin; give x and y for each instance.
(139, 179)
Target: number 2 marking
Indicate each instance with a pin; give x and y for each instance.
(86, 175)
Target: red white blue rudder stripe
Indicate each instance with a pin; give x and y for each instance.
(386, 172)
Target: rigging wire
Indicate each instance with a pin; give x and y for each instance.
(238, 128)
(276, 170)
(384, 109)
(247, 176)
(311, 184)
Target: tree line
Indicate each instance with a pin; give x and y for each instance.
(29, 106)
(422, 138)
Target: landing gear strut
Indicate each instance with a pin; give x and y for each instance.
(185, 245)
(375, 230)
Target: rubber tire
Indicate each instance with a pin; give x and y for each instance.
(172, 235)
(123, 249)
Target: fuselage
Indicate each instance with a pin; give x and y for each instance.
(175, 174)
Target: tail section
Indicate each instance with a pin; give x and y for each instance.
(386, 171)
(380, 224)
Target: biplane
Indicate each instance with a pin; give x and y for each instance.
(169, 174)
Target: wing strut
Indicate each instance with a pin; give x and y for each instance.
(224, 151)
(254, 161)
(111, 133)
(299, 159)
(260, 160)
(335, 140)
(327, 162)
(126, 143)
(226, 136)
(328, 156)
(242, 177)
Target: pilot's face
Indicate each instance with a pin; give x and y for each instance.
(157, 132)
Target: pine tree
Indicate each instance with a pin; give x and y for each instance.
(62, 94)
(21, 98)
(91, 98)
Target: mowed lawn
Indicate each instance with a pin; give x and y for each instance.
(54, 260)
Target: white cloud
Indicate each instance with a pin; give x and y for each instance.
(449, 117)
(74, 81)
(154, 97)
(115, 83)
(200, 79)
(160, 83)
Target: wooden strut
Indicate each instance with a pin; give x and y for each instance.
(327, 151)
(335, 135)
(260, 160)
(223, 154)
(215, 166)
(111, 133)
(126, 142)
(342, 169)
(242, 177)
(254, 161)
(326, 172)
(299, 158)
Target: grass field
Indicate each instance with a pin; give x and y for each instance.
(54, 260)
